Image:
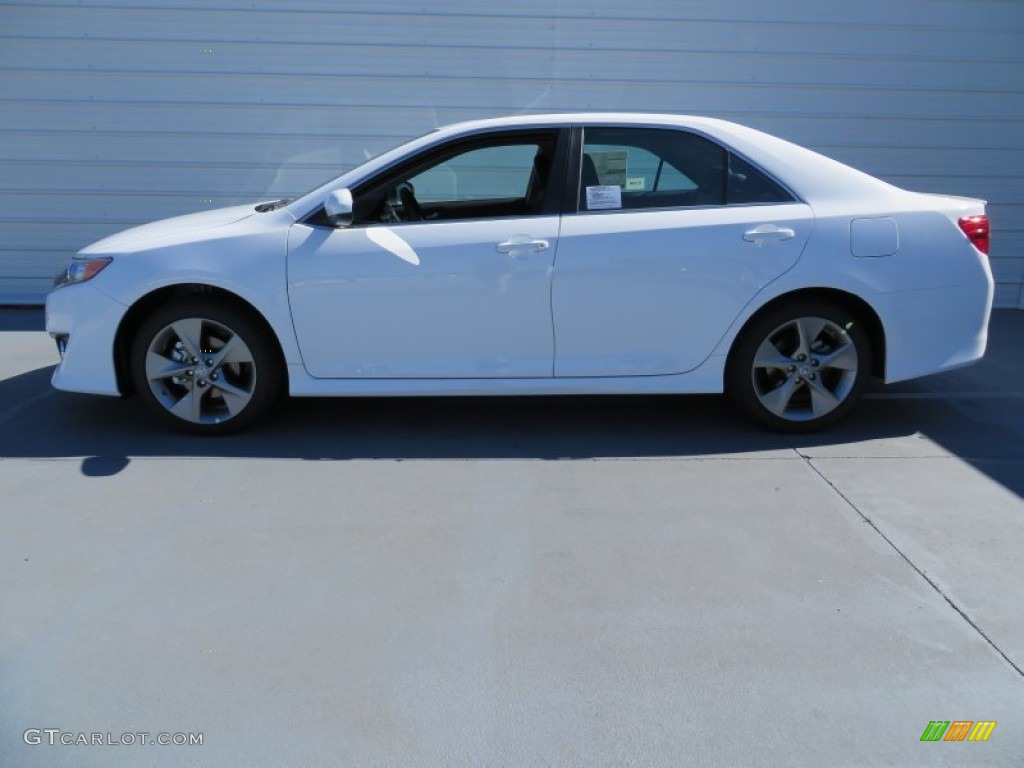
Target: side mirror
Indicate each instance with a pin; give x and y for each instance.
(338, 207)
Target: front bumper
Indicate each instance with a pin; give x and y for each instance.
(84, 322)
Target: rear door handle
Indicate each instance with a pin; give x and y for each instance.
(520, 243)
(764, 233)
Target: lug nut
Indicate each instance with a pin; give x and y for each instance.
(213, 377)
(209, 361)
(791, 368)
(195, 360)
(201, 382)
(801, 358)
(813, 377)
(814, 362)
(190, 372)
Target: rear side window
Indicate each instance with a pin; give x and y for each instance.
(638, 168)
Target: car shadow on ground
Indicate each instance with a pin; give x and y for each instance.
(47, 423)
(107, 431)
(975, 414)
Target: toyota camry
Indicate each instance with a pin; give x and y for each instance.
(540, 255)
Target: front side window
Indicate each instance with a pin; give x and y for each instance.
(489, 173)
(639, 168)
(481, 178)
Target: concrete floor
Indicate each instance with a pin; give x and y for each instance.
(563, 582)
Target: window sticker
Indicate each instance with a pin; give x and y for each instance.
(603, 198)
(635, 184)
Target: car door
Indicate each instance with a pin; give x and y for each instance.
(672, 236)
(446, 270)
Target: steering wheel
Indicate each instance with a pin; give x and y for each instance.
(411, 208)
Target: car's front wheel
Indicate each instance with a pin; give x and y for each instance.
(799, 367)
(207, 369)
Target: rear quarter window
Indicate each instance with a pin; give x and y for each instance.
(748, 186)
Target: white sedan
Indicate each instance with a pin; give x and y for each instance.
(542, 255)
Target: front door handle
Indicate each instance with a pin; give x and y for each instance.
(764, 233)
(519, 243)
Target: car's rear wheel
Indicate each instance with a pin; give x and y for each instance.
(206, 369)
(799, 367)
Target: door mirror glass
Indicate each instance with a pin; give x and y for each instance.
(338, 208)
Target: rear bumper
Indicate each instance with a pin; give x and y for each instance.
(84, 323)
(935, 330)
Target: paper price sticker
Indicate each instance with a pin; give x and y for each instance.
(603, 198)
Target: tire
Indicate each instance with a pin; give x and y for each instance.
(206, 369)
(799, 367)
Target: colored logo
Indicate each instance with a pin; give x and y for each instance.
(958, 730)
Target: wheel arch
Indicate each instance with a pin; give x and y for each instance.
(153, 300)
(860, 309)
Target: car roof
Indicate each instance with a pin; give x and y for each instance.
(587, 118)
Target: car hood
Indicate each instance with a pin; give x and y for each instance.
(131, 239)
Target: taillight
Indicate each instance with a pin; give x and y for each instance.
(976, 229)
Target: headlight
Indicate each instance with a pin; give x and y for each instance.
(80, 270)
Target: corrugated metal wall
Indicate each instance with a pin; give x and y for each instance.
(121, 111)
